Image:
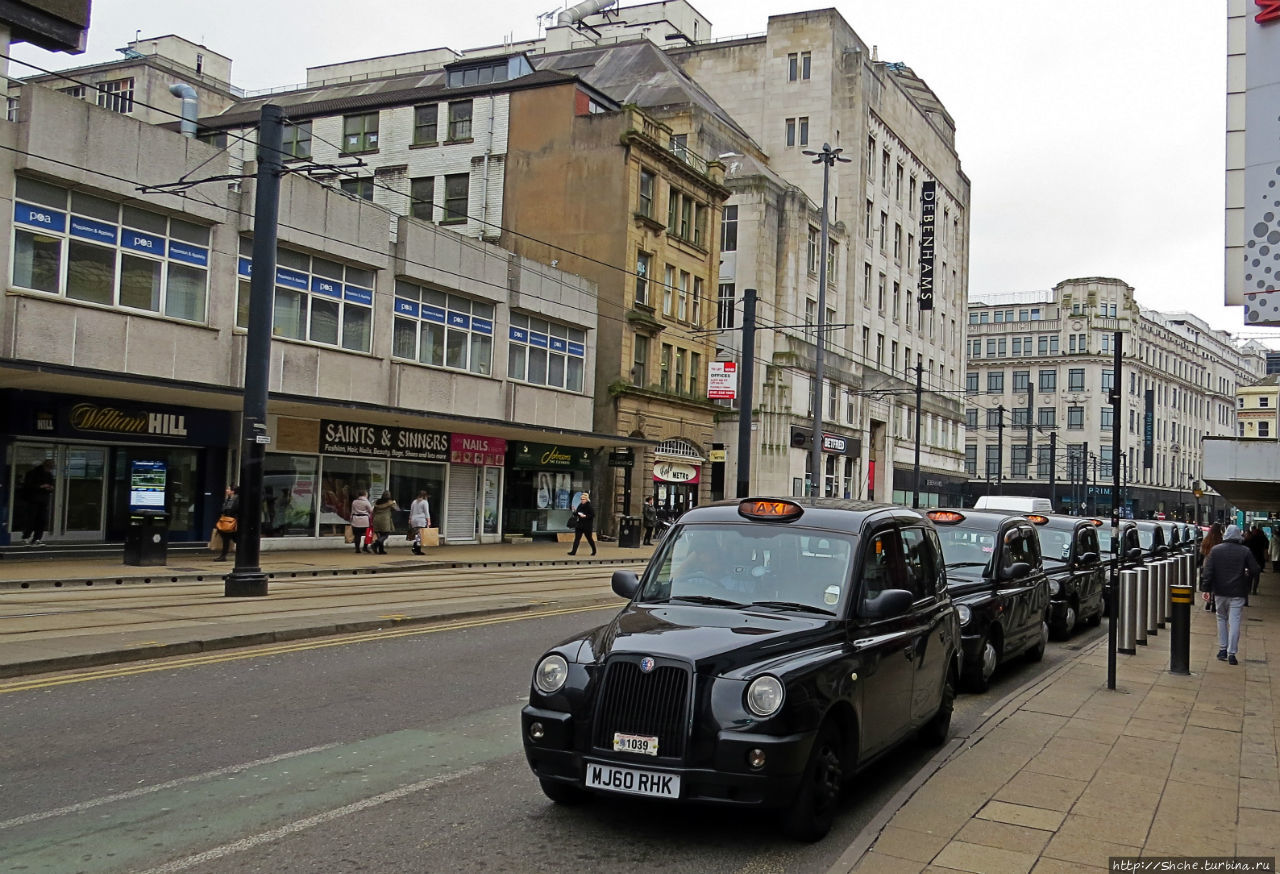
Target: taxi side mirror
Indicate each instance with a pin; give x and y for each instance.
(887, 604)
(1088, 558)
(1015, 571)
(1134, 553)
(625, 584)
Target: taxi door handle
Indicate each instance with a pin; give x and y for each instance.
(910, 652)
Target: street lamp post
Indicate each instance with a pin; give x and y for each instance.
(817, 479)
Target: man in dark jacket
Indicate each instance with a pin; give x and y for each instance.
(1226, 576)
(1257, 542)
(650, 520)
(584, 519)
(37, 490)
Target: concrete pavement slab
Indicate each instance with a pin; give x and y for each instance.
(962, 856)
(1023, 815)
(907, 843)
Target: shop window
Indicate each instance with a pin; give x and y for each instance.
(443, 330)
(289, 495)
(316, 300)
(115, 256)
(546, 353)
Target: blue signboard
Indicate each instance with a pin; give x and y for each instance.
(91, 230)
(291, 278)
(245, 266)
(577, 349)
(539, 340)
(39, 216)
(458, 320)
(406, 307)
(327, 287)
(140, 242)
(520, 335)
(359, 295)
(197, 255)
(557, 345)
(432, 313)
(481, 326)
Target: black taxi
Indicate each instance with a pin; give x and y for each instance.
(999, 587)
(772, 648)
(1152, 540)
(1077, 574)
(1130, 547)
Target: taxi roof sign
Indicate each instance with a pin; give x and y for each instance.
(770, 509)
(1037, 519)
(946, 517)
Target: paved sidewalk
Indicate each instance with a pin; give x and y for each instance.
(63, 614)
(1065, 773)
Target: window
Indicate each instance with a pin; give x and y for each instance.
(975, 349)
(815, 243)
(869, 161)
(114, 255)
(425, 124)
(1075, 418)
(1108, 380)
(1264, 401)
(884, 232)
(643, 262)
(317, 300)
(799, 65)
(971, 383)
(456, 189)
(729, 229)
(791, 132)
(897, 241)
(422, 198)
(361, 188)
(1075, 379)
(725, 313)
(995, 382)
(695, 370)
(545, 353)
(971, 460)
(447, 330)
(993, 461)
(695, 314)
(867, 219)
(297, 140)
(897, 298)
(668, 291)
(682, 297)
(664, 379)
(639, 360)
(1106, 419)
(804, 131)
(884, 169)
(1021, 381)
(897, 185)
(880, 288)
(360, 133)
(647, 182)
(680, 217)
(72, 91)
(1264, 429)
(1018, 460)
(116, 95)
(459, 120)
(993, 419)
(1047, 417)
(1043, 464)
(971, 419)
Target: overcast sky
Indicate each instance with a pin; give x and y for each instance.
(1092, 130)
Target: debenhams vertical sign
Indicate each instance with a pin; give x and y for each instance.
(928, 204)
(383, 441)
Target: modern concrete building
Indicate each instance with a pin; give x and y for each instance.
(400, 356)
(1040, 375)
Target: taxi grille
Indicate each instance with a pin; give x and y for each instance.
(653, 704)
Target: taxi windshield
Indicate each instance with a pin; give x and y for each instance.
(1146, 536)
(753, 564)
(966, 547)
(1104, 538)
(1055, 543)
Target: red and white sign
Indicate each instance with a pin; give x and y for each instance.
(477, 450)
(676, 472)
(722, 381)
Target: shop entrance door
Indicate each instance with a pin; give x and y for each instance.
(77, 510)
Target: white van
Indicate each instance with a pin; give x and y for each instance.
(1014, 503)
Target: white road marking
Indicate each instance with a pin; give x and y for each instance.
(249, 843)
(160, 787)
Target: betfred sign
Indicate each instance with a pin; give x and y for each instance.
(722, 381)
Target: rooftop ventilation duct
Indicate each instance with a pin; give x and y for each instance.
(574, 14)
(190, 107)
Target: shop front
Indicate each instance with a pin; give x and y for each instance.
(543, 483)
(474, 510)
(937, 489)
(97, 446)
(677, 477)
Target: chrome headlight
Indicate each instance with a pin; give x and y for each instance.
(550, 674)
(1054, 587)
(964, 614)
(764, 695)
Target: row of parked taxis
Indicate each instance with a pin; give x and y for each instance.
(775, 647)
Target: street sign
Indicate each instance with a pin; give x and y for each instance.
(623, 457)
(722, 380)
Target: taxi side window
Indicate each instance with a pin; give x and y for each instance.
(882, 566)
(1020, 545)
(917, 556)
(939, 566)
(1088, 542)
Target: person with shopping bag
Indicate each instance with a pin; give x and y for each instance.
(361, 514)
(419, 520)
(228, 524)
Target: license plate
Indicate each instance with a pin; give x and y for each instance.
(632, 781)
(635, 743)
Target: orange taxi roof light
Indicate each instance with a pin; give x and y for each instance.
(946, 517)
(1038, 519)
(769, 509)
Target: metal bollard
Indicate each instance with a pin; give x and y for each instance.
(1155, 597)
(1140, 606)
(1127, 613)
(1190, 578)
(1170, 579)
(1180, 631)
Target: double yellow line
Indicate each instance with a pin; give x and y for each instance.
(173, 664)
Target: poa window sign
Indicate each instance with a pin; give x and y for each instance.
(147, 481)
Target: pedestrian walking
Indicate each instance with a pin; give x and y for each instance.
(1228, 571)
(1273, 549)
(419, 519)
(1258, 544)
(383, 521)
(229, 532)
(37, 492)
(650, 520)
(361, 515)
(1212, 539)
(584, 518)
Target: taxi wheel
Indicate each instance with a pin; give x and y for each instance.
(1068, 625)
(934, 732)
(978, 678)
(810, 816)
(1036, 653)
(562, 793)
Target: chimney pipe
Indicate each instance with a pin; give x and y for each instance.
(574, 14)
(190, 107)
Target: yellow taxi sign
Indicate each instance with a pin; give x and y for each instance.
(945, 517)
(769, 509)
(1037, 519)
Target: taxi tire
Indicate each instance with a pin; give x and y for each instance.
(1036, 653)
(810, 816)
(934, 732)
(1063, 631)
(974, 679)
(562, 793)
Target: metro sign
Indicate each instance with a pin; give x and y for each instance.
(1270, 11)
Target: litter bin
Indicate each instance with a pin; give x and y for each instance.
(146, 541)
(629, 531)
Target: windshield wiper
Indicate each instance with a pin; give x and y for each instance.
(791, 605)
(966, 564)
(705, 599)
